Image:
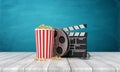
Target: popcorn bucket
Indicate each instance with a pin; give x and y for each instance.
(44, 43)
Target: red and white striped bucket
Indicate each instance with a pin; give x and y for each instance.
(44, 43)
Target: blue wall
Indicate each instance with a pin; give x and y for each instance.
(21, 17)
(0, 26)
(119, 26)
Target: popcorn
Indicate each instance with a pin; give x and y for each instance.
(56, 58)
(44, 36)
(44, 27)
(36, 59)
(43, 59)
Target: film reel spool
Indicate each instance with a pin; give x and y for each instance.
(61, 42)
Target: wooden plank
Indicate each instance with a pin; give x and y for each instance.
(59, 66)
(37, 66)
(79, 65)
(107, 53)
(12, 60)
(9, 56)
(23, 62)
(110, 57)
(98, 65)
(20, 65)
(4, 54)
(12, 57)
(116, 55)
(109, 62)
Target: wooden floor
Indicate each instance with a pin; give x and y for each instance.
(24, 62)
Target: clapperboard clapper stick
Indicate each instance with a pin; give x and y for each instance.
(76, 27)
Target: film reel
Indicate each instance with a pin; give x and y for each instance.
(71, 44)
(61, 42)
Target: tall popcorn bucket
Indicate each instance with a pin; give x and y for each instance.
(44, 43)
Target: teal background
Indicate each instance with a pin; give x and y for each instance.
(119, 26)
(19, 18)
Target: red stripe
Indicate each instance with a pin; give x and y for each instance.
(40, 53)
(47, 44)
(38, 43)
(36, 34)
(43, 44)
(50, 44)
(40, 48)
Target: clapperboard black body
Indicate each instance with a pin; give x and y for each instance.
(71, 44)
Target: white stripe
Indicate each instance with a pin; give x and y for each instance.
(71, 28)
(65, 29)
(39, 44)
(82, 26)
(71, 33)
(76, 27)
(48, 42)
(45, 43)
(76, 33)
(42, 43)
(82, 34)
(52, 43)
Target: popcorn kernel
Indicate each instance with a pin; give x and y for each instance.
(36, 59)
(56, 58)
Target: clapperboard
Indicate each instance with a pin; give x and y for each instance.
(71, 44)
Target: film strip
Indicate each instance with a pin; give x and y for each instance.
(76, 27)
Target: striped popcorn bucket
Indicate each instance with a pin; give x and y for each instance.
(44, 43)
